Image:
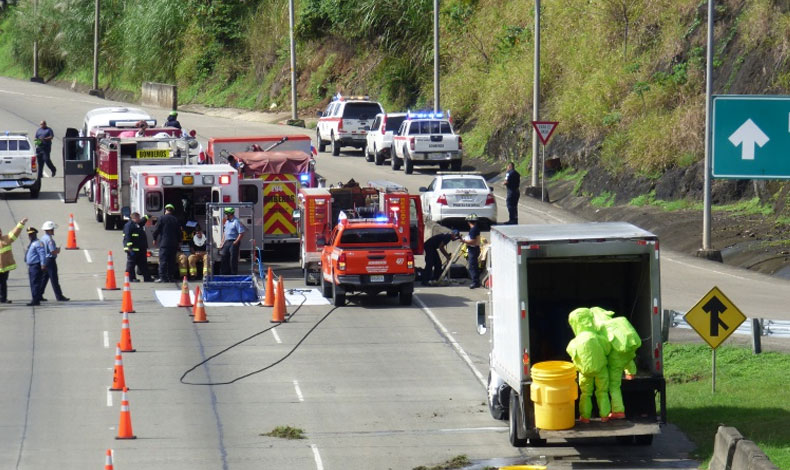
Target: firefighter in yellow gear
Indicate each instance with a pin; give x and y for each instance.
(198, 249)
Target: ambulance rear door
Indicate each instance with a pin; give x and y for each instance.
(251, 190)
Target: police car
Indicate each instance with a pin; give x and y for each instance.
(345, 122)
(452, 196)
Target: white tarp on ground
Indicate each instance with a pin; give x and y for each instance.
(293, 297)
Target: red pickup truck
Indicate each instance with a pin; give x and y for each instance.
(366, 255)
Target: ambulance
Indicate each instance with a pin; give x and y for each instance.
(188, 188)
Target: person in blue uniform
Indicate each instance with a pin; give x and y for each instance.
(432, 247)
(472, 242)
(232, 234)
(135, 244)
(167, 236)
(52, 251)
(36, 259)
(512, 183)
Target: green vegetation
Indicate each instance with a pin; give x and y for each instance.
(285, 432)
(751, 392)
(605, 199)
(459, 461)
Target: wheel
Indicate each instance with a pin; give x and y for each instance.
(378, 157)
(495, 407)
(444, 166)
(109, 223)
(406, 294)
(408, 164)
(321, 144)
(514, 421)
(35, 189)
(306, 276)
(643, 439)
(338, 296)
(335, 147)
(455, 165)
(326, 289)
(395, 162)
(368, 155)
(98, 214)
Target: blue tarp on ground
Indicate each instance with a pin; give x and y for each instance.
(229, 289)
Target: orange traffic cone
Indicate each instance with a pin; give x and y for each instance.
(197, 296)
(268, 298)
(125, 424)
(109, 281)
(126, 300)
(278, 312)
(126, 334)
(108, 460)
(185, 300)
(200, 311)
(118, 379)
(71, 241)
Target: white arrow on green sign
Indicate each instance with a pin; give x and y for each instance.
(750, 136)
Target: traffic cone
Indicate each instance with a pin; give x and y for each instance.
(197, 296)
(118, 379)
(108, 460)
(125, 423)
(185, 300)
(200, 311)
(268, 298)
(71, 241)
(126, 335)
(126, 300)
(109, 281)
(278, 312)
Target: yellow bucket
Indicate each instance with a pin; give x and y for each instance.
(554, 392)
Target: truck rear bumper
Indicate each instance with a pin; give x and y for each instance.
(363, 281)
(595, 428)
(20, 183)
(430, 158)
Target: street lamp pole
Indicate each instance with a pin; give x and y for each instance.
(436, 106)
(95, 89)
(706, 216)
(35, 77)
(536, 96)
(293, 60)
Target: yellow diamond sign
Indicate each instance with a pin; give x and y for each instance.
(714, 317)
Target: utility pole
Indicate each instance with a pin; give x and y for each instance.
(95, 91)
(436, 106)
(536, 97)
(35, 77)
(294, 121)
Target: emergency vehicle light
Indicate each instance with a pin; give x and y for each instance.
(208, 179)
(167, 181)
(382, 218)
(426, 115)
(224, 179)
(187, 180)
(304, 177)
(151, 180)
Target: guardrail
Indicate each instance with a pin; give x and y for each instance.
(732, 452)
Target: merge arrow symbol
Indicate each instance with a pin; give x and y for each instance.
(714, 307)
(748, 135)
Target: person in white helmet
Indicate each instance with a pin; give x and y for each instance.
(52, 251)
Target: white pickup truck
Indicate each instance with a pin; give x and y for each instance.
(18, 164)
(426, 139)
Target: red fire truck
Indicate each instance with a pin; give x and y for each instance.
(320, 208)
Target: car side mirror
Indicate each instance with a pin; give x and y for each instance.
(319, 114)
(423, 189)
(480, 311)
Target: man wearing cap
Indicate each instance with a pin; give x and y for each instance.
(232, 233)
(36, 259)
(167, 236)
(7, 263)
(172, 120)
(52, 252)
(135, 244)
(472, 242)
(433, 264)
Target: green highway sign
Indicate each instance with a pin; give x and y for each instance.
(750, 136)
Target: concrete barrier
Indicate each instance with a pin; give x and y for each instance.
(159, 94)
(724, 448)
(748, 456)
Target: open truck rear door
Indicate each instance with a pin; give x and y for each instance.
(79, 163)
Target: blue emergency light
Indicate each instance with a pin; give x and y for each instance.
(382, 219)
(304, 177)
(426, 114)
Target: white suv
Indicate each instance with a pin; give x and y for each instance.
(345, 121)
(18, 163)
(379, 138)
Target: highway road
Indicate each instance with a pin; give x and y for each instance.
(374, 385)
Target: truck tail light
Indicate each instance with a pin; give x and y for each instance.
(224, 179)
(151, 180)
(384, 125)
(489, 199)
(341, 262)
(442, 200)
(340, 124)
(34, 164)
(410, 260)
(226, 198)
(411, 143)
(460, 143)
(148, 254)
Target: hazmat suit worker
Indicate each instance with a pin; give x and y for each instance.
(624, 339)
(588, 351)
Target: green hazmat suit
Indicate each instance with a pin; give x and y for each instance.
(624, 339)
(588, 351)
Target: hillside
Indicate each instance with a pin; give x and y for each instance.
(625, 78)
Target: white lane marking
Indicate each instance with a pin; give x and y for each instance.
(87, 256)
(703, 268)
(318, 464)
(452, 341)
(106, 339)
(109, 397)
(76, 227)
(101, 296)
(276, 336)
(298, 390)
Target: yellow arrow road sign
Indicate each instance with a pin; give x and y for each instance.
(714, 317)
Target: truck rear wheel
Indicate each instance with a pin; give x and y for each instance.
(35, 189)
(514, 424)
(408, 165)
(326, 289)
(368, 155)
(335, 147)
(338, 295)
(497, 409)
(455, 165)
(395, 161)
(405, 296)
(98, 214)
(378, 156)
(109, 223)
(321, 144)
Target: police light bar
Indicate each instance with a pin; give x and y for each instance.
(427, 115)
(339, 97)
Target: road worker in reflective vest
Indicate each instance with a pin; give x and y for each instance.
(588, 351)
(7, 263)
(624, 339)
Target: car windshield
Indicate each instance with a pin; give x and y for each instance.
(463, 183)
(369, 235)
(393, 123)
(361, 110)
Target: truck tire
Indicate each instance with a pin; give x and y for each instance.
(306, 276)
(335, 146)
(408, 164)
(98, 214)
(406, 294)
(338, 296)
(109, 223)
(395, 162)
(321, 143)
(326, 289)
(444, 166)
(455, 165)
(35, 189)
(378, 156)
(497, 409)
(514, 421)
(368, 155)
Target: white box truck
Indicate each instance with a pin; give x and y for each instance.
(539, 274)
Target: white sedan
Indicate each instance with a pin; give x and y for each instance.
(451, 197)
